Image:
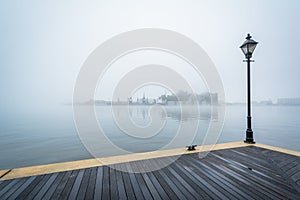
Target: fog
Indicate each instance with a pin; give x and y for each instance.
(45, 43)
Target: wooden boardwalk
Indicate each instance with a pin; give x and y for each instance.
(239, 173)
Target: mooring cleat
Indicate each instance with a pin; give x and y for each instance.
(191, 147)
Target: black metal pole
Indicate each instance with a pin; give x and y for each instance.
(249, 132)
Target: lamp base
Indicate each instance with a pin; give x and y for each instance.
(249, 137)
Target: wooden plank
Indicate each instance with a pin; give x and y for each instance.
(298, 182)
(53, 186)
(137, 190)
(293, 170)
(30, 187)
(192, 181)
(141, 182)
(158, 187)
(128, 186)
(169, 176)
(98, 186)
(210, 177)
(120, 185)
(230, 190)
(219, 191)
(196, 194)
(91, 185)
(84, 184)
(244, 182)
(146, 166)
(296, 176)
(258, 186)
(22, 188)
(38, 187)
(46, 186)
(106, 179)
(277, 149)
(142, 166)
(61, 185)
(269, 177)
(76, 186)
(172, 195)
(8, 186)
(242, 185)
(155, 188)
(113, 184)
(273, 186)
(13, 189)
(268, 170)
(213, 192)
(150, 186)
(231, 186)
(4, 183)
(180, 194)
(178, 186)
(68, 187)
(275, 189)
(289, 165)
(246, 160)
(250, 153)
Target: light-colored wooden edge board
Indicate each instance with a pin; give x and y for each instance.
(81, 164)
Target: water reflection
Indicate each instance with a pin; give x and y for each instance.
(138, 113)
(189, 113)
(139, 128)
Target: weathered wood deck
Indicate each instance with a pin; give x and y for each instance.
(239, 173)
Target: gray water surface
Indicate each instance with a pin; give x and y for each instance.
(33, 139)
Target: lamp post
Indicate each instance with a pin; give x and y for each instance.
(248, 48)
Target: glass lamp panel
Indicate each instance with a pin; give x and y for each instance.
(251, 47)
(244, 49)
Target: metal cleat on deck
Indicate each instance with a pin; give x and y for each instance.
(191, 147)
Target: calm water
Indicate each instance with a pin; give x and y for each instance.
(33, 139)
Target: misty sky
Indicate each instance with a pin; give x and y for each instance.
(43, 44)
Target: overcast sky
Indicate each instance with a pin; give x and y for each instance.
(43, 44)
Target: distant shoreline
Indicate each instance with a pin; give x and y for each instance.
(226, 104)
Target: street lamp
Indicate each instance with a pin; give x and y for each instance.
(248, 48)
